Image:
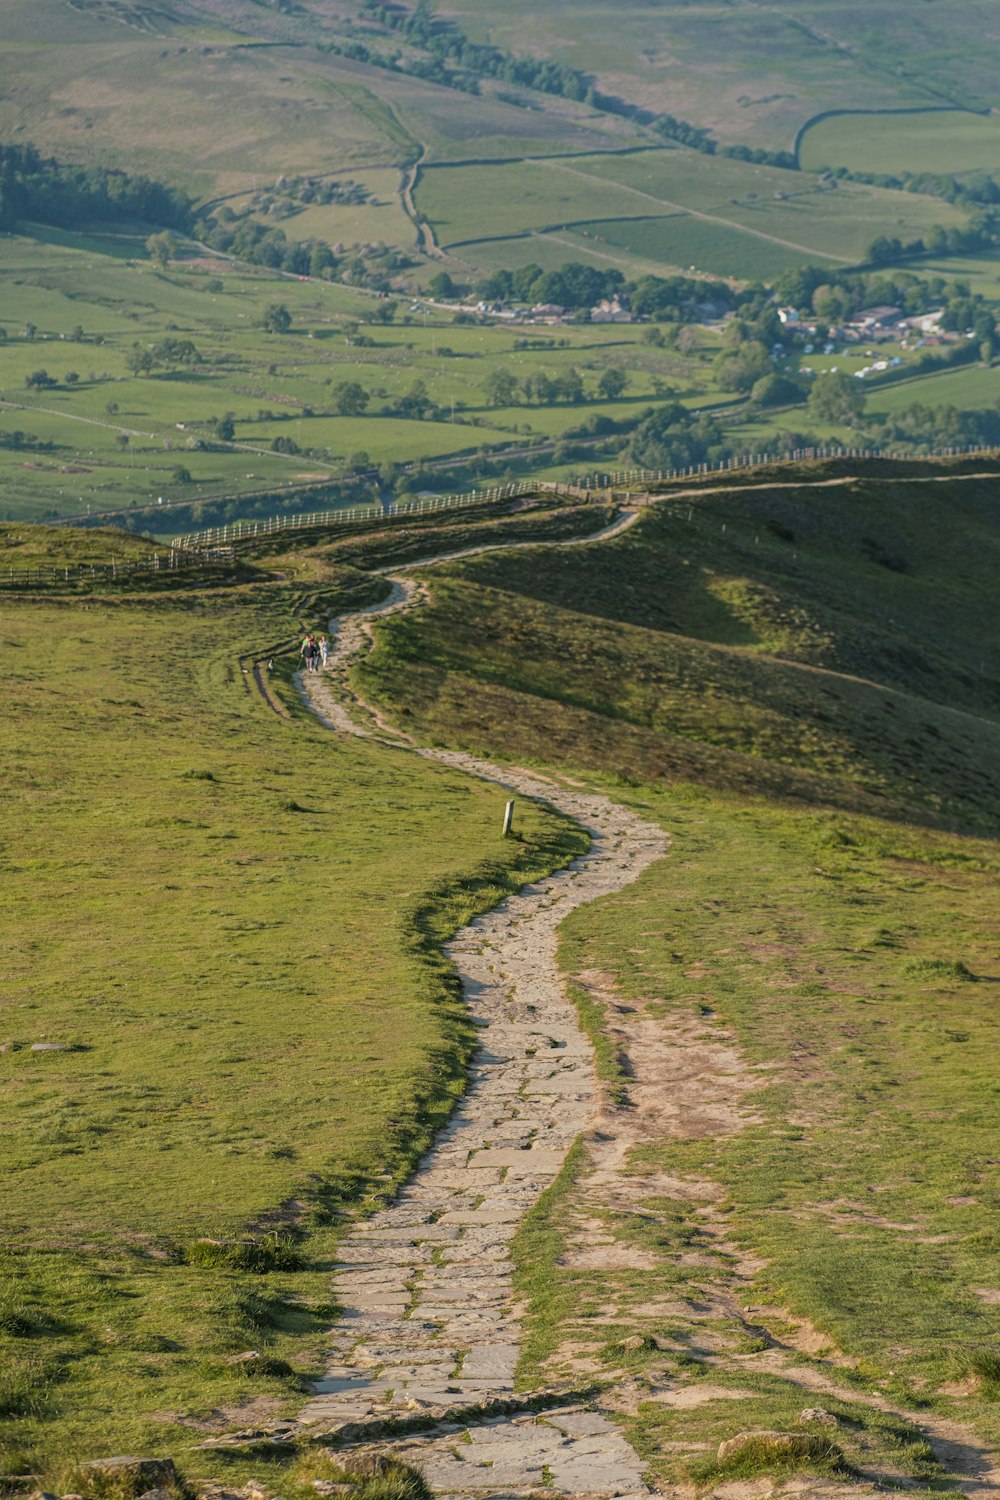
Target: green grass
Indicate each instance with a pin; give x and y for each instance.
(757, 81)
(863, 1173)
(938, 141)
(191, 886)
(276, 388)
(830, 645)
(673, 208)
(842, 965)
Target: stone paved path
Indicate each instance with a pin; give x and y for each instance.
(429, 1322)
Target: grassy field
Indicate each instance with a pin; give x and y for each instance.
(939, 141)
(110, 437)
(972, 388)
(187, 104)
(673, 208)
(830, 1191)
(200, 895)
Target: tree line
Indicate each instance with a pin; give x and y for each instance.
(44, 190)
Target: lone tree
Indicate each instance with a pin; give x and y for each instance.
(836, 397)
(442, 286)
(349, 398)
(162, 248)
(40, 380)
(612, 383)
(276, 319)
(139, 360)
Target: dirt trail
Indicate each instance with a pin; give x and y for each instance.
(429, 1323)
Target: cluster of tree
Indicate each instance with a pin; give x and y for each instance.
(167, 354)
(835, 296)
(502, 389)
(931, 427)
(977, 234)
(18, 441)
(675, 299)
(671, 437)
(303, 191)
(970, 191)
(573, 285)
(48, 191)
(259, 245)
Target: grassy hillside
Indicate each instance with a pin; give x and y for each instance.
(789, 1199)
(756, 76)
(829, 643)
(224, 1010)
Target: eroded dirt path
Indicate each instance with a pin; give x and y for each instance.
(429, 1326)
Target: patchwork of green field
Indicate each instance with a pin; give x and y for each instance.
(971, 388)
(674, 208)
(938, 141)
(104, 437)
(682, 242)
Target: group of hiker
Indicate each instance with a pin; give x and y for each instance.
(315, 650)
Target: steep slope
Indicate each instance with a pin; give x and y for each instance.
(827, 642)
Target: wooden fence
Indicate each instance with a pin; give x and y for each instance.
(177, 559)
(595, 485)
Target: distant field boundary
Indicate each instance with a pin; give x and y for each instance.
(914, 109)
(591, 486)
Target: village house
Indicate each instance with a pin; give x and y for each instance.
(877, 322)
(610, 310)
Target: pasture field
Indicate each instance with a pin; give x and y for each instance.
(684, 243)
(938, 141)
(971, 388)
(224, 925)
(981, 272)
(381, 220)
(673, 208)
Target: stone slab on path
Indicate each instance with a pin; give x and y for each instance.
(429, 1318)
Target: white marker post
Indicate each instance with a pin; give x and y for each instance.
(508, 820)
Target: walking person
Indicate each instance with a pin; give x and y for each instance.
(309, 651)
(324, 650)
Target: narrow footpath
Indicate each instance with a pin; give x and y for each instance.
(429, 1329)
